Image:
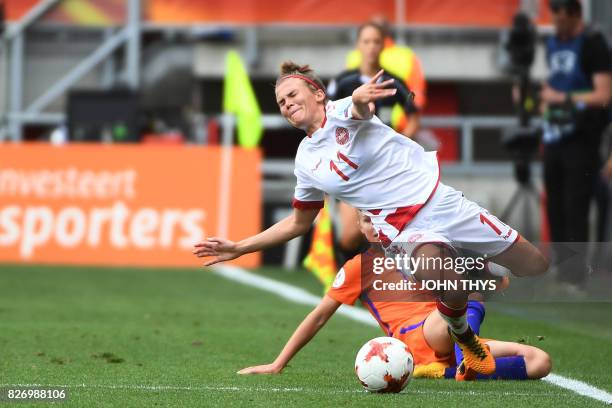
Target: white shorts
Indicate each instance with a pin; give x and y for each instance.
(451, 219)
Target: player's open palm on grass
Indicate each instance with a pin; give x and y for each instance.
(261, 369)
(218, 248)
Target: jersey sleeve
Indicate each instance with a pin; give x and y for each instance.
(342, 108)
(347, 285)
(306, 196)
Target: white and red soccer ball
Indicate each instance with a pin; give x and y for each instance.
(384, 364)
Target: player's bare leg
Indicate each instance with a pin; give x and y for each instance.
(522, 258)
(452, 306)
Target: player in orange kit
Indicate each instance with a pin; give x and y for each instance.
(416, 323)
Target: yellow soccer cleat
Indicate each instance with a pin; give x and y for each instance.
(431, 370)
(476, 355)
(464, 373)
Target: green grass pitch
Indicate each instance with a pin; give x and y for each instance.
(147, 338)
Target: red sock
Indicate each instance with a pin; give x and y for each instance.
(456, 318)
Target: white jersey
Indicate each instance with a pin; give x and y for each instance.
(367, 165)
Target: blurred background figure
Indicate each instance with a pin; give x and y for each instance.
(603, 196)
(398, 111)
(575, 100)
(403, 63)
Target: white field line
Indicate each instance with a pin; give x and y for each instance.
(298, 295)
(199, 388)
(579, 387)
(289, 292)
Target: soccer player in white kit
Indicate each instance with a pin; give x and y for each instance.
(350, 154)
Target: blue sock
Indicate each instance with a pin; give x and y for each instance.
(506, 368)
(449, 372)
(475, 317)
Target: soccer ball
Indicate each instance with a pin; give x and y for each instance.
(384, 364)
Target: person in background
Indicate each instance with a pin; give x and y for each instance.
(602, 193)
(575, 99)
(401, 62)
(398, 111)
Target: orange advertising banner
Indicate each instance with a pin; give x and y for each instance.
(73, 12)
(476, 13)
(267, 12)
(128, 205)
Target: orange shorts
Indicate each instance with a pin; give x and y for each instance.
(422, 353)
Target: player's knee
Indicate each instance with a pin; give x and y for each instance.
(543, 366)
(546, 364)
(538, 363)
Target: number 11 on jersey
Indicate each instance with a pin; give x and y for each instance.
(332, 166)
(484, 219)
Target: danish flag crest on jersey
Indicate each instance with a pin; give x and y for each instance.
(342, 135)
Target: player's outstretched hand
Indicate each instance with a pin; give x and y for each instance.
(261, 369)
(219, 248)
(372, 91)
